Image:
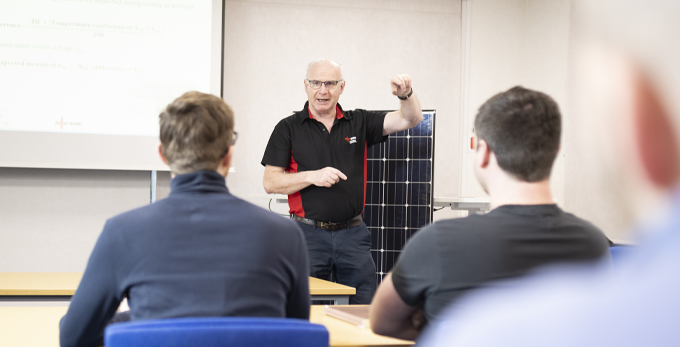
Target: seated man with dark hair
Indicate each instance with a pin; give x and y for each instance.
(199, 252)
(518, 137)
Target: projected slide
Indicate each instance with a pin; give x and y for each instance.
(100, 66)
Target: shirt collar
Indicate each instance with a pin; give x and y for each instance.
(198, 182)
(307, 114)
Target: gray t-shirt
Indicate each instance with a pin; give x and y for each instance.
(450, 257)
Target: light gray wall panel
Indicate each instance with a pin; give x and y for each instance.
(162, 184)
(51, 218)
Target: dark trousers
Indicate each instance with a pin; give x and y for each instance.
(346, 254)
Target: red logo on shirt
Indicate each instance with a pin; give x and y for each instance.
(351, 140)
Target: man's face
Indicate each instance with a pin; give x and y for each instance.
(323, 100)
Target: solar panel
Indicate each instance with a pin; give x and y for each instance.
(399, 190)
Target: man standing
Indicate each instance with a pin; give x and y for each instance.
(199, 252)
(318, 158)
(518, 136)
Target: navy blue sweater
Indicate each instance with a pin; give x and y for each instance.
(199, 252)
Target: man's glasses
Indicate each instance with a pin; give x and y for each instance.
(329, 84)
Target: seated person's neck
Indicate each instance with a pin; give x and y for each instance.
(507, 190)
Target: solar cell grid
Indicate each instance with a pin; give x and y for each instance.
(399, 190)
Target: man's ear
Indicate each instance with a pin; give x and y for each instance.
(482, 153)
(160, 152)
(655, 139)
(342, 87)
(225, 162)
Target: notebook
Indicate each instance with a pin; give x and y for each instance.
(355, 314)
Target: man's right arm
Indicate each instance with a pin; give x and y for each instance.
(94, 302)
(278, 181)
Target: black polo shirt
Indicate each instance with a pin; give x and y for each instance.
(301, 143)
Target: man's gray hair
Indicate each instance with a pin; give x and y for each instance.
(324, 61)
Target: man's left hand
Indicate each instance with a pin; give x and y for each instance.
(401, 85)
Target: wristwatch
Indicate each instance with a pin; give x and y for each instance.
(407, 96)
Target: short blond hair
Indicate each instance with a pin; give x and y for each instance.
(196, 132)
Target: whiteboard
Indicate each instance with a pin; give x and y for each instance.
(82, 82)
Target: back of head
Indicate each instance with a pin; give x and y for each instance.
(522, 128)
(196, 132)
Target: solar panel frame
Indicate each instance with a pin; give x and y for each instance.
(397, 206)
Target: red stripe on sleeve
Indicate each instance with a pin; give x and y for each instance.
(365, 174)
(295, 200)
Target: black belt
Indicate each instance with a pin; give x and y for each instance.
(330, 226)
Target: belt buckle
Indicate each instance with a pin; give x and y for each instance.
(329, 226)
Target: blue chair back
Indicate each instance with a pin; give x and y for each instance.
(217, 331)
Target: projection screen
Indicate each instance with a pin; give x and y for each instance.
(82, 81)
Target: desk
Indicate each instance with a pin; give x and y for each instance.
(60, 286)
(350, 335)
(39, 326)
(54, 286)
(472, 205)
(325, 290)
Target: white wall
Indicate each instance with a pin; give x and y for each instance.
(528, 43)
(269, 44)
(517, 42)
(51, 218)
(590, 190)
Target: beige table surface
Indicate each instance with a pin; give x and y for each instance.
(347, 334)
(321, 287)
(39, 283)
(38, 326)
(65, 283)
